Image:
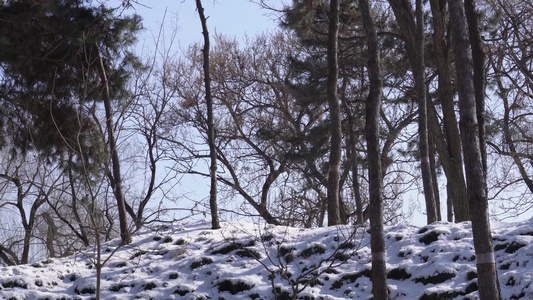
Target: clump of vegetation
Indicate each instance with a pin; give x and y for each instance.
(347, 245)
(117, 287)
(513, 247)
(228, 248)
(351, 277)
(204, 261)
(181, 292)
(267, 237)
(315, 249)
(430, 237)
(15, 284)
(435, 279)
(149, 286)
(234, 287)
(399, 274)
(167, 240)
(250, 253)
(85, 290)
(180, 242)
(471, 275)
(173, 276)
(138, 253)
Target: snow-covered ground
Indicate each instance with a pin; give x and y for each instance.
(249, 261)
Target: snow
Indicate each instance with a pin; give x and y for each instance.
(245, 260)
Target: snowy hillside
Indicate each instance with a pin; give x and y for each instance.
(246, 260)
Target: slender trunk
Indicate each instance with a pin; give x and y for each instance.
(215, 223)
(116, 177)
(413, 34)
(434, 179)
(373, 108)
(334, 112)
(489, 287)
(478, 62)
(420, 86)
(457, 195)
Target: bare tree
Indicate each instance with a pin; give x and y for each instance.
(215, 223)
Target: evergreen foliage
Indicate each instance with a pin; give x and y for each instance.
(49, 57)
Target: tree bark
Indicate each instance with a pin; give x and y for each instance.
(413, 34)
(215, 223)
(373, 108)
(334, 112)
(115, 177)
(451, 153)
(489, 287)
(478, 60)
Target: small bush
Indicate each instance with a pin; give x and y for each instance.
(398, 274)
(167, 240)
(347, 245)
(181, 292)
(435, 279)
(180, 242)
(14, 284)
(351, 277)
(500, 247)
(227, 249)
(267, 237)
(341, 256)
(173, 276)
(203, 262)
(285, 250)
(513, 247)
(117, 287)
(422, 230)
(149, 286)
(429, 238)
(315, 249)
(138, 253)
(157, 238)
(85, 290)
(233, 287)
(471, 275)
(248, 253)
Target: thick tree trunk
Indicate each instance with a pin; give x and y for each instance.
(489, 287)
(413, 34)
(334, 112)
(115, 177)
(373, 108)
(215, 223)
(451, 154)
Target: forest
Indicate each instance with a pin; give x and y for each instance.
(338, 117)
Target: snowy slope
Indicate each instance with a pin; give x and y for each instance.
(246, 260)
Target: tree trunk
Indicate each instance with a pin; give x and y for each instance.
(334, 112)
(451, 154)
(115, 177)
(215, 223)
(373, 108)
(489, 287)
(434, 178)
(413, 34)
(478, 60)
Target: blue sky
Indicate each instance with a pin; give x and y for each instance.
(233, 18)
